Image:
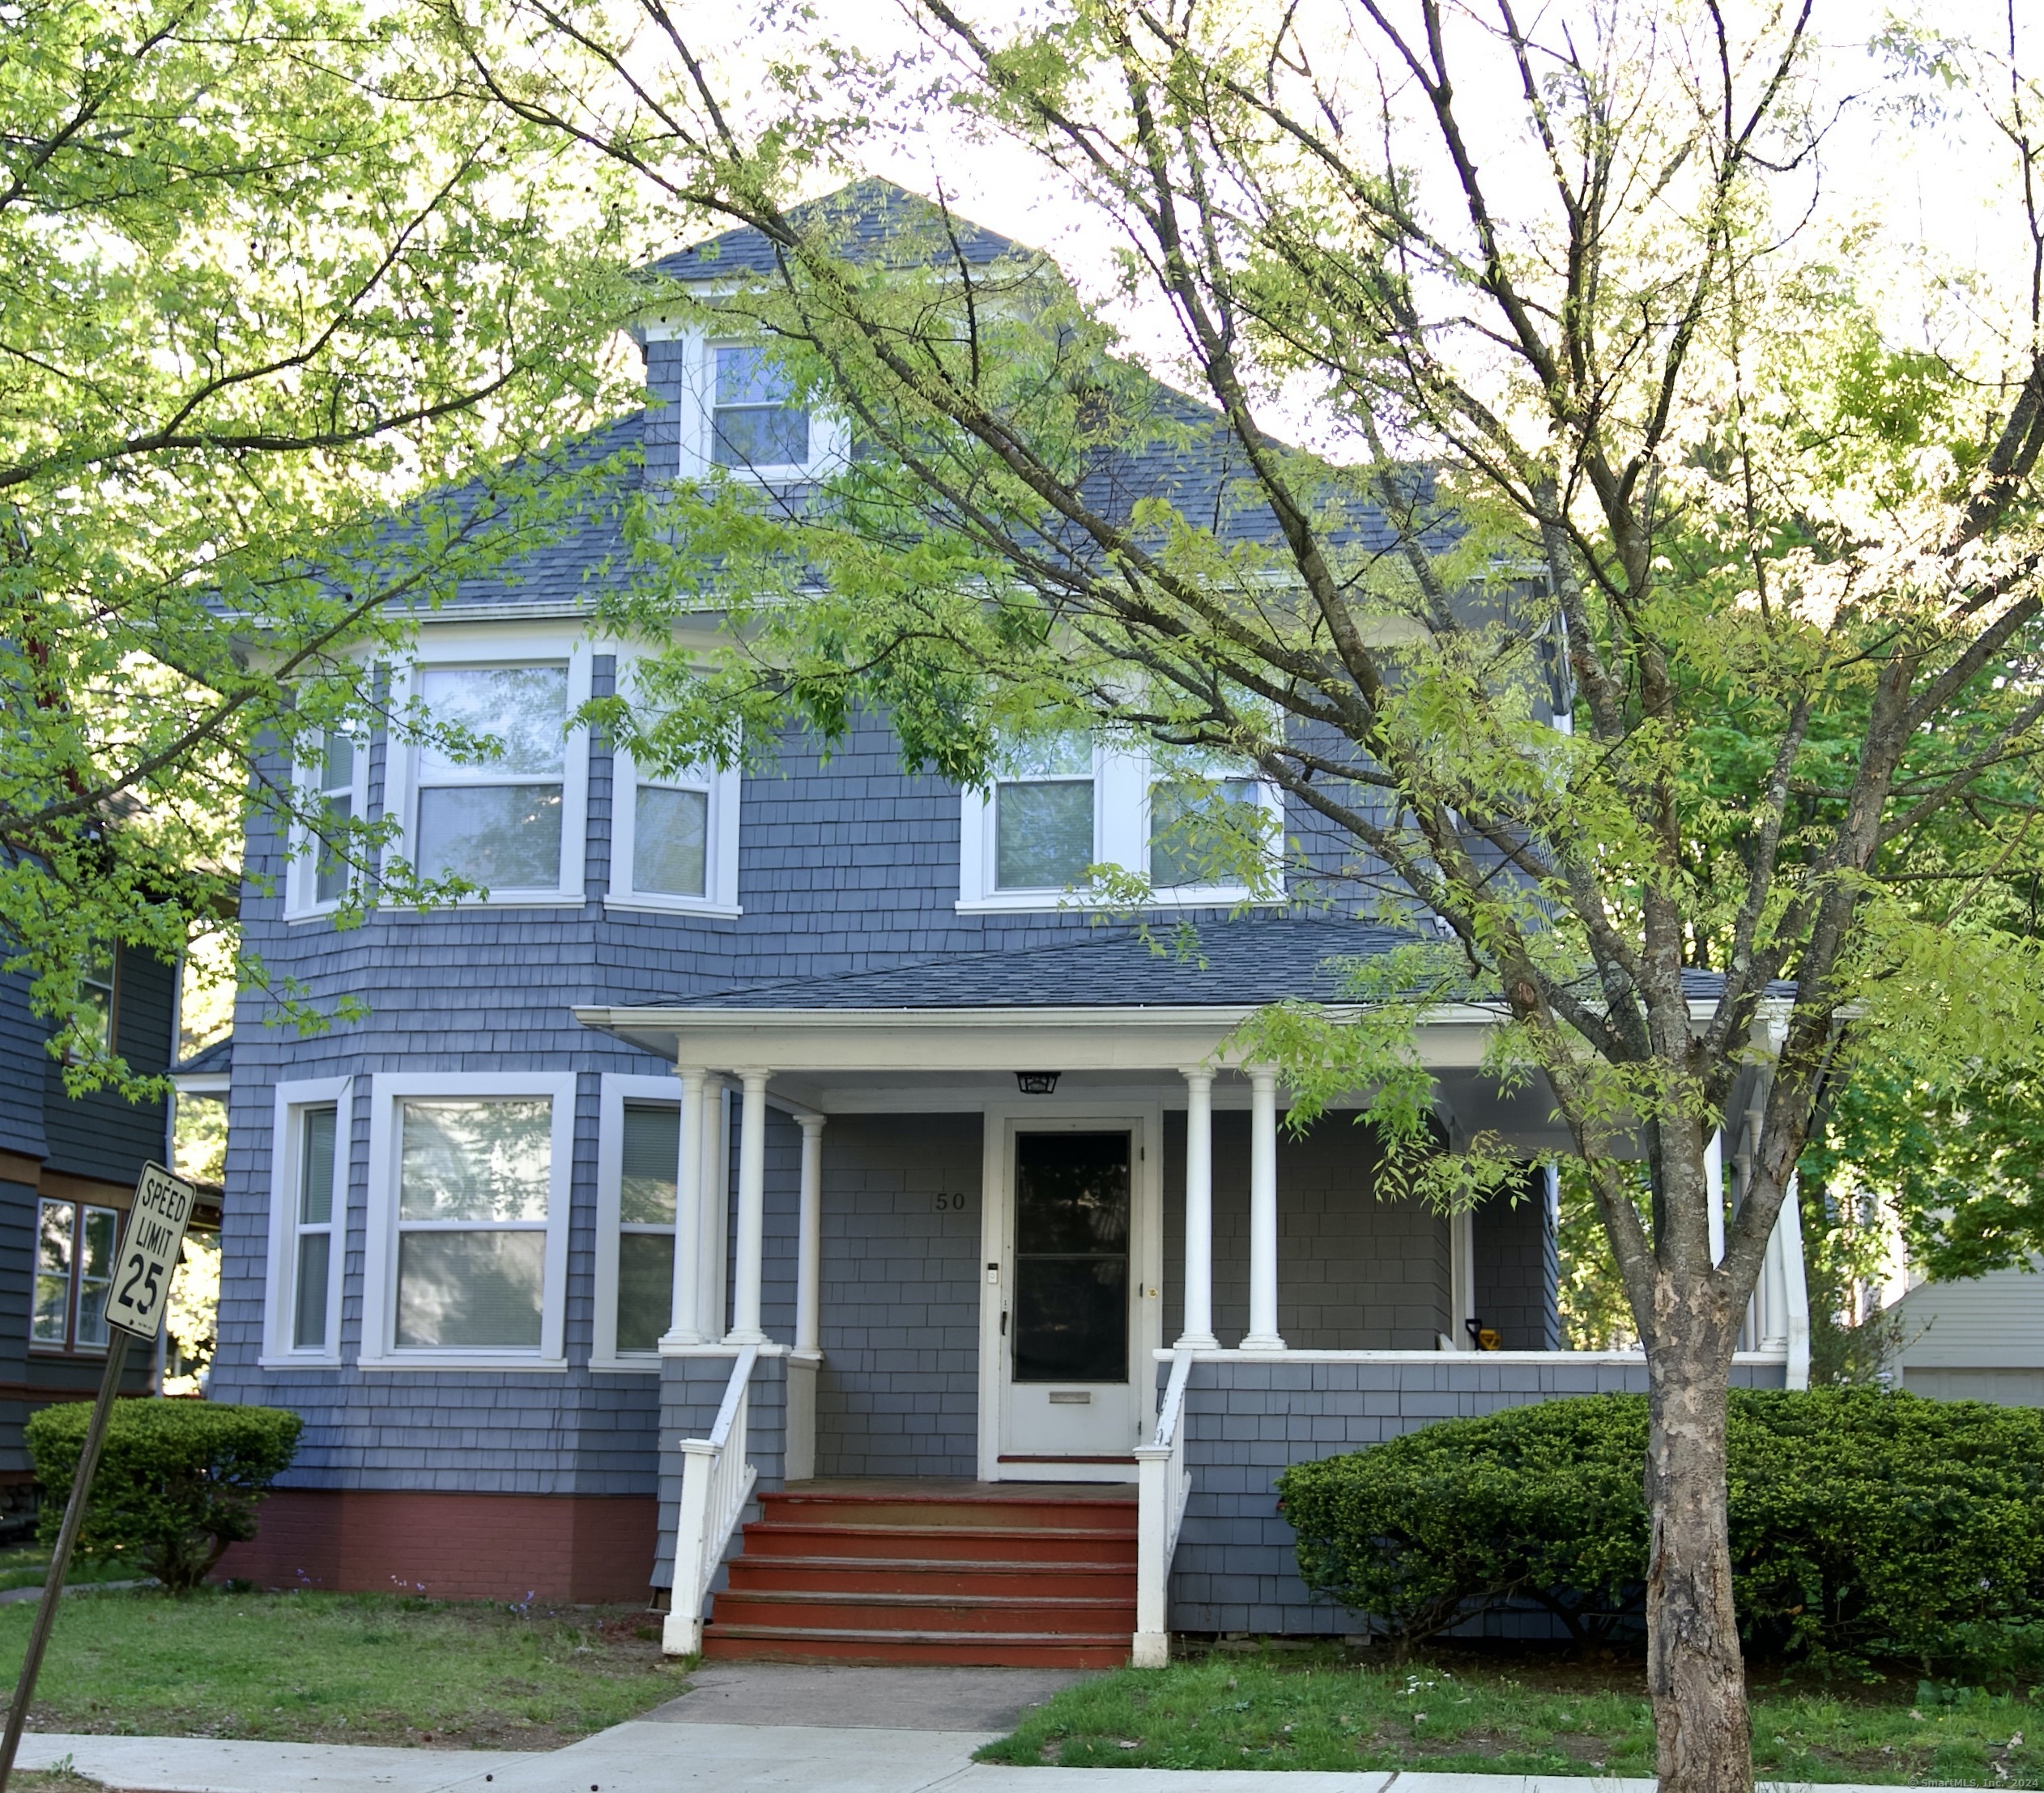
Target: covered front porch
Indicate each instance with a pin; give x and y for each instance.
(1072, 1244)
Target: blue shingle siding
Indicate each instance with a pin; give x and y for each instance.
(1515, 1290)
(691, 1391)
(24, 1067)
(103, 1133)
(1235, 1570)
(1354, 1273)
(898, 1394)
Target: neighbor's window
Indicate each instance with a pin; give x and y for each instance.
(95, 996)
(335, 783)
(74, 1265)
(497, 823)
(1196, 802)
(645, 1238)
(312, 1230)
(1043, 813)
(754, 422)
(670, 838)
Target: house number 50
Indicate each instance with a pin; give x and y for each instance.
(946, 1202)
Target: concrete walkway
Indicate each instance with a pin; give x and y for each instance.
(750, 1729)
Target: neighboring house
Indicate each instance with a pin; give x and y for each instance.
(68, 1168)
(1981, 1340)
(788, 1140)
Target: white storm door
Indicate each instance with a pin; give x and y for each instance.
(1069, 1338)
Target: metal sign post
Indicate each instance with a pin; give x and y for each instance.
(149, 1245)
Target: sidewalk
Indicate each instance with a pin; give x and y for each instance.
(763, 1729)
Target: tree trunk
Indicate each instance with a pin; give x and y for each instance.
(1694, 1671)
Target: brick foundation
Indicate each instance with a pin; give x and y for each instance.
(460, 1547)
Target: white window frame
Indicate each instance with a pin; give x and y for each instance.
(380, 1254)
(456, 647)
(719, 844)
(1122, 780)
(301, 876)
(619, 1088)
(829, 440)
(287, 1161)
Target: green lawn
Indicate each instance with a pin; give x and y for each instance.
(368, 1668)
(28, 1566)
(1320, 1711)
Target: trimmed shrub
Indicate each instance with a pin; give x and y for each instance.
(1862, 1523)
(178, 1482)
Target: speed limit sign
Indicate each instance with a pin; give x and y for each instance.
(149, 1251)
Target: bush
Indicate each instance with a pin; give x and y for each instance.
(1862, 1523)
(178, 1482)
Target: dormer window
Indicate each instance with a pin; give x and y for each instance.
(755, 423)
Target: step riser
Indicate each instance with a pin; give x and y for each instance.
(963, 1653)
(1115, 1516)
(895, 1545)
(950, 1616)
(794, 1574)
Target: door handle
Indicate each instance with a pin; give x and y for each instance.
(1003, 1322)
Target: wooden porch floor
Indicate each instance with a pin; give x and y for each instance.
(946, 1488)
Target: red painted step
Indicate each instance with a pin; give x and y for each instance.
(994, 1579)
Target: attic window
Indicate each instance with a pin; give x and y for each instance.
(753, 421)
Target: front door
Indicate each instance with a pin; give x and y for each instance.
(1069, 1345)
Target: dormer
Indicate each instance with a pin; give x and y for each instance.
(722, 400)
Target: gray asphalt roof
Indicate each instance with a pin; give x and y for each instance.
(867, 221)
(217, 1057)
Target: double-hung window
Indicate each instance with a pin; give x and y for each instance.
(1205, 814)
(1045, 804)
(74, 1266)
(497, 820)
(333, 780)
(755, 421)
(98, 992)
(1189, 824)
(308, 1220)
(468, 1218)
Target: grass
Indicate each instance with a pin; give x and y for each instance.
(28, 1566)
(359, 1668)
(1530, 1715)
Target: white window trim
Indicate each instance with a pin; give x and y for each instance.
(301, 873)
(452, 647)
(287, 1156)
(829, 440)
(618, 1089)
(1122, 780)
(720, 878)
(380, 1254)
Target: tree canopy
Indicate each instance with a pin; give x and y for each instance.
(268, 275)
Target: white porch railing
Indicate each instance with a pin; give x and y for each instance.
(1163, 1486)
(716, 1482)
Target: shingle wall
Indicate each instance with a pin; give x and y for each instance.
(1354, 1273)
(898, 1394)
(23, 1067)
(103, 1133)
(1516, 1269)
(1246, 1423)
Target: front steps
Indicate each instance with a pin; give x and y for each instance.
(1007, 1578)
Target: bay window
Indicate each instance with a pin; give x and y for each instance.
(308, 1220)
(333, 783)
(468, 1220)
(496, 822)
(638, 1159)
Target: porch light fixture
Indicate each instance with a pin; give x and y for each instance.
(1037, 1083)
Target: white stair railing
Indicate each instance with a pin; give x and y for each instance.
(716, 1482)
(1163, 1486)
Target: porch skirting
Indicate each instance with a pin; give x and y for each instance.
(573, 1547)
(1235, 1569)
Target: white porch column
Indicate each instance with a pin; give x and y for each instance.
(1713, 1183)
(1462, 1278)
(711, 1268)
(1796, 1290)
(685, 1322)
(1263, 1214)
(809, 1250)
(752, 1212)
(1197, 1333)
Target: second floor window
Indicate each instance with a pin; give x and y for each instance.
(97, 987)
(754, 420)
(1203, 812)
(1043, 814)
(74, 1266)
(670, 838)
(496, 822)
(336, 786)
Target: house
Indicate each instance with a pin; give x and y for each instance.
(1981, 1340)
(789, 1143)
(68, 1169)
